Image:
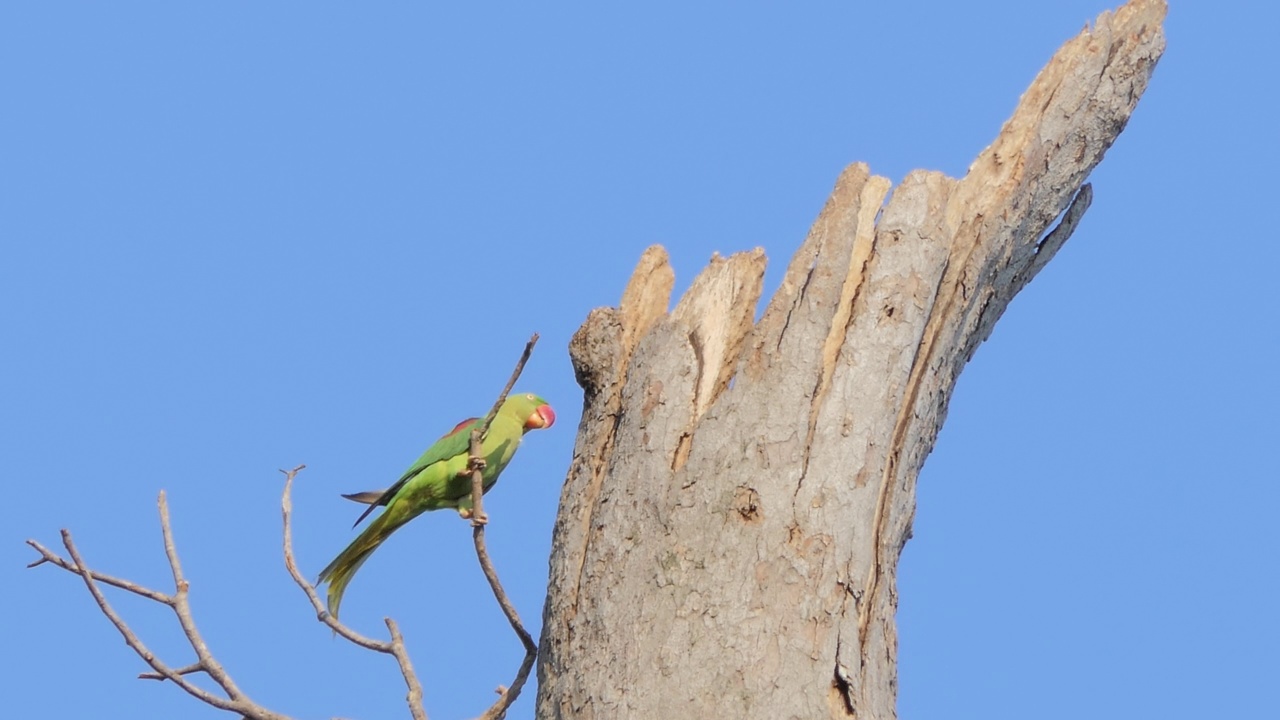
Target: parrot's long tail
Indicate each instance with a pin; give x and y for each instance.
(339, 572)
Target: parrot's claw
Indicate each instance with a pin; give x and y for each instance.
(476, 519)
(476, 463)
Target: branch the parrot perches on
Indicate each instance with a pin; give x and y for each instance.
(441, 478)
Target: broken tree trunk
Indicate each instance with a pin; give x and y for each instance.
(729, 532)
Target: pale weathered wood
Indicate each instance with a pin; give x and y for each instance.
(740, 492)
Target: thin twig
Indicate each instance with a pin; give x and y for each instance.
(192, 668)
(414, 698)
(182, 608)
(48, 556)
(395, 647)
(515, 375)
(237, 703)
(478, 517)
(506, 696)
(130, 638)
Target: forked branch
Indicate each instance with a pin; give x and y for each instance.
(236, 700)
(393, 647)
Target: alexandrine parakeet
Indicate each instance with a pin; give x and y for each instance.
(439, 479)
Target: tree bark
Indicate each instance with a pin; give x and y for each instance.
(729, 531)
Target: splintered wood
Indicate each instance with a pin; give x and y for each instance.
(740, 492)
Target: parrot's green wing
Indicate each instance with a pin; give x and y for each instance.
(455, 442)
(438, 479)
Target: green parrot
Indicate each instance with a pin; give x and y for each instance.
(439, 479)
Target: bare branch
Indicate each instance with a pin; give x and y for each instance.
(237, 702)
(290, 564)
(503, 601)
(182, 609)
(395, 647)
(192, 668)
(50, 557)
(515, 375)
(414, 698)
(478, 517)
(506, 696)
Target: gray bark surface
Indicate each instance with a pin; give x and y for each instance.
(740, 492)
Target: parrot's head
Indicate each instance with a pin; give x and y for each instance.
(535, 413)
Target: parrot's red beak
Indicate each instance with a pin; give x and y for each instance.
(543, 417)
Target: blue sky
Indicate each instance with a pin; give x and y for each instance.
(243, 236)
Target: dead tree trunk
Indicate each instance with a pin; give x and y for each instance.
(729, 531)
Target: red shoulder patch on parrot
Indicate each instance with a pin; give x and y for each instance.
(460, 426)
